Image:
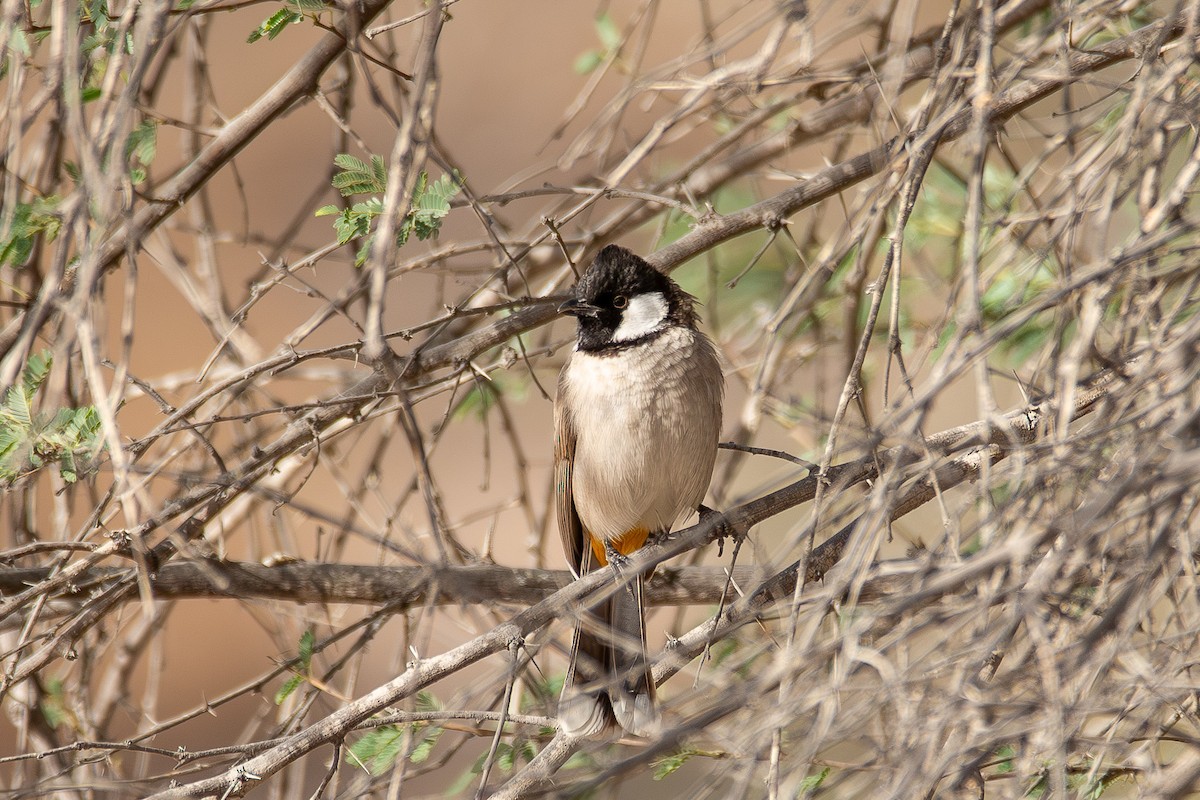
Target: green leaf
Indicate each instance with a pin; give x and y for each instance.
(526, 750)
(667, 765)
(378, 749)
(349, 162)
(359, 177)
(53, 704)
(28, 441)
(505, 757)
(578, 759)
(1006, 754)
(82, 425)
(587, 61)
(274, 25)
(95, 12)
(28, 222)
(142, 143)
(17, 408)
(372, 207)
(345, 228)
(308, 641)
(95, 41)
(610, 37)
(428, 701)
(434, 201)
(17, 244)
(9, 440)
(607, 30)
(37, 369)
(813, 782)
(364, 252)
(476, 402)
(304, 654)
(90, 93)
(431, 202)
(425, 747)
(18, 42)
(289, 686)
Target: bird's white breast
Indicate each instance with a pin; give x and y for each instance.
(646, 421)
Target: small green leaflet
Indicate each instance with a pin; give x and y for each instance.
(19, 43)
(274, 25)
(289, 686)
(358, 177)
(29, 440)
(425, 747)
(142, 143)
(304, 655)
(814, 781)
(430, 203)
(610, 38)
(141, 147)
(667, 765)
(54, 704)
(293, 11)
(29, 220)
(378, 750)
(17, 409)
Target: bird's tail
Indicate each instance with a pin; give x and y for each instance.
(608, 677)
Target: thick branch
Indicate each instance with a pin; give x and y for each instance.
(400, 587)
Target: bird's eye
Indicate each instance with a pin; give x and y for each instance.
(620, 301)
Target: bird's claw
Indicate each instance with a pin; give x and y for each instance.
(618, 561)
(658, 537)
(721, 529)
(615, 557)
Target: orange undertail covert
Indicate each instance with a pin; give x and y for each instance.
(624, 544)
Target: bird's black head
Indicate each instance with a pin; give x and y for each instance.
(621, 301)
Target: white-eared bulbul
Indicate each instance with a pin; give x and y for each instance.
(637, 418)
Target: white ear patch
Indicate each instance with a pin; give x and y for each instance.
(644, 314)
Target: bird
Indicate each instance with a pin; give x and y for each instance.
(637, 418)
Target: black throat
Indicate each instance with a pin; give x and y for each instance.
(595, 339)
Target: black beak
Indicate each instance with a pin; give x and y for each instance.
(577, 308)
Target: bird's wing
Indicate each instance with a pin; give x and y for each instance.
(569, 526)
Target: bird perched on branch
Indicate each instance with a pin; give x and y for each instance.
(637, 418)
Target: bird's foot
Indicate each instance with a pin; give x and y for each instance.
(615, 557)
(722, 527)
(619, 562)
